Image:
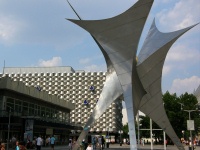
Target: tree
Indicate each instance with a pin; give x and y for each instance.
(125, 131)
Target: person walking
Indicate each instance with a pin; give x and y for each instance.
(89, 147)
(13, 140)
(94, 142)
(3, 146)
(47, 141)
(17, 145)
(39, 142)
(102, 142)
(70, 144)
(52, 142)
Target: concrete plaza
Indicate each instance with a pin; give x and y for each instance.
(126, 147)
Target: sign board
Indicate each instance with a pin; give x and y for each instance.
(49, 131)
(190, 124)
(28, 135)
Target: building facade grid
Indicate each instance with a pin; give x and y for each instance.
(74, 87)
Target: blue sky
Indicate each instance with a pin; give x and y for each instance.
(35, 33)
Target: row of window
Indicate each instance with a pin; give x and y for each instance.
(36, 110)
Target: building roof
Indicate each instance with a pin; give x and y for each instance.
(61, 69)
(20, 87)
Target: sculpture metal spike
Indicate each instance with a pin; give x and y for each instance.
(140, 82)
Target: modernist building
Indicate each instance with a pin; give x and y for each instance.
(26, 112)
(78, 87)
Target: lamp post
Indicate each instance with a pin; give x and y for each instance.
(190, 123)
(183, 135)
(108, 137)
(138, 123)
(189, 111)
(120, 133)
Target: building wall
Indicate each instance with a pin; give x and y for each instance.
(74, 87)
(22, 111)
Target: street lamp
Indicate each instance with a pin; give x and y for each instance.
(138, 124)
(120, 133)
(183, 135)
(108, 137)
(190, 123)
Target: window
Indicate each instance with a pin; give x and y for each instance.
(18, 106)
(10, 104)
(43, 112)
(31, 109)
(48, 113)
(25, 109)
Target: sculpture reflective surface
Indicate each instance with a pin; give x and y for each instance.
(139, 82)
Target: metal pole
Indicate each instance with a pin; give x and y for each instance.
(120, 138)
(151, 133)
(164, 136)
(8, 129)
(138, 130)
(190, 132)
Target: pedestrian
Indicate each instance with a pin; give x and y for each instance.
(17, 145)
(89, 147)
(3, 146)
(102, 142)
(142, 142)
(83, 145)
(70, 144)
(47, 141)
(99, 142)
(94, 142)
(166, 142)
(13, 140)
(39, 142)
(52, 142)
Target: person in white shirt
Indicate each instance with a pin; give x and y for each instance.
(39, 143)
(89, 147)
(70, 144)
(100, 143)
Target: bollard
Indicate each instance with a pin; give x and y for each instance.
(107, 145)
(120, 143)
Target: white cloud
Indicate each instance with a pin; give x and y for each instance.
(183, 53)
(84, 61)
(166, 70)
(180, 86)
(9, 28)
(183, 14)
(55, 61)
(94, 68)
(89, 64)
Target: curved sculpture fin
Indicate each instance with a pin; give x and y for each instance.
(150, 64)
(119, 37)
(156, 39)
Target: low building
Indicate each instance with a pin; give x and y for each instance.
(26, 112)
(78, 87)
